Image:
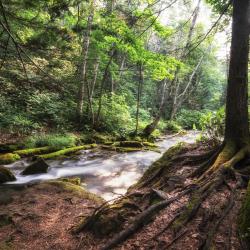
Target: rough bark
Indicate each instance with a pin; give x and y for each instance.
(139, 90)
(237, 128)
(83, 67)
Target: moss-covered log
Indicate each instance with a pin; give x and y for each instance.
(33, 151)
(9, 158)
(67, 151)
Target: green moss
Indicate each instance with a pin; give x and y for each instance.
(127, 149)
(55, 141)
(149, 144)
(9, 158)
(6, 175)
(131, 144)
(33, 151)
(244, 222)
(194, 201)
(76, 190)
(67, 151)
(75, 181)
(162, 164)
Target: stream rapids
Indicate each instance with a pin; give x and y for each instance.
(107, 174)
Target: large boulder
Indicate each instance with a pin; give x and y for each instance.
(38, 167)
(6, 175)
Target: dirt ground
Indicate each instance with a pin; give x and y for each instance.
(42, 217)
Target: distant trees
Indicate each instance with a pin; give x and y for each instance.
(84, 52)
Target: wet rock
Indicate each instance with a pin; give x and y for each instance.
(6, 175)
(38, 167)
(131, 144)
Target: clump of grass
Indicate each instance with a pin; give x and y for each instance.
(54, 141)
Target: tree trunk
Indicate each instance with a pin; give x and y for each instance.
(83, 68)
(140, 83)
(237, 128)
(149, 129)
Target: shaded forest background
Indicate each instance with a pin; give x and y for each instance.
(112, 66)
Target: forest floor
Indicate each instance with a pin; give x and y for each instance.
(42, 216)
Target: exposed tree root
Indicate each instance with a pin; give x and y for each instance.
(206, 245)
(218, 167)
(207, 163)
(141, 219)
(175, 239)
(166, 227)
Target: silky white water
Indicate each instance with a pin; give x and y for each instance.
(104, 173)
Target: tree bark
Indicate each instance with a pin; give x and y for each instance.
(237, 127)
(140, 83)
(83, 68)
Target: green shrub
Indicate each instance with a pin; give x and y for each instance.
(115, 117)
(213, 124)
(19, 123)
(172, 126)
(189, 119)
(48, 109)
(56, 141)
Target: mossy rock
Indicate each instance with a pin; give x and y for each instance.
(33, 151)
(244, 221)
(9, 158)
(6, 175)
(75, 190)
(38, 167)
(75, 181)
(67, 151)
(163, 165)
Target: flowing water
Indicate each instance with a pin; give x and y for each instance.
(104, 173)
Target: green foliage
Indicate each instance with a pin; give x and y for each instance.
(172, 126)
(55, 141)
(115, 115)
(213, 124)
(189, 119)
(47, 108)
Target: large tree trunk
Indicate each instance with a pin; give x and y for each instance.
(237, 128)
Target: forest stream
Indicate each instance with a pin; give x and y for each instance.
(107, 174)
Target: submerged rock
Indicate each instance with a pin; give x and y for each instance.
(6, 175)
(38, 167)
